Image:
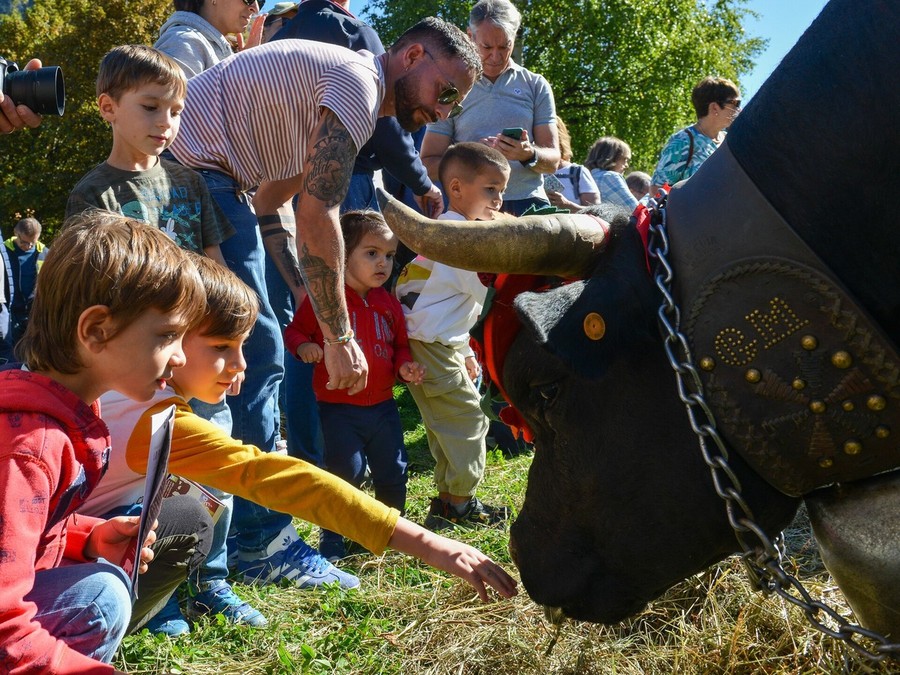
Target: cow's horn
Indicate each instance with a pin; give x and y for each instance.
(560, 244)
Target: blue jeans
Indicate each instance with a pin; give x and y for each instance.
(86, 605)
(254, 409)
(360, 194)
(296, 398)
(215, 567)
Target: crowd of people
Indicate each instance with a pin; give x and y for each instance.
(228, 259)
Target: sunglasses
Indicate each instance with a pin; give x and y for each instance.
(449, 94)
(736, 102)
(259, 4)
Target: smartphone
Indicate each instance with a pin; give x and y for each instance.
(552, 183)
(513, 132)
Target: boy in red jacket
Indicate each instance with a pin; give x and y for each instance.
(113, 301)
(363, 429)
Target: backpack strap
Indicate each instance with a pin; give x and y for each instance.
(687, 162)
(575, 180)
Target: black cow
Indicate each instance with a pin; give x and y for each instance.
(785, 244)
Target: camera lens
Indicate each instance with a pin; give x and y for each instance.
(42, 90)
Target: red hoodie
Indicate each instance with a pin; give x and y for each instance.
(380, 330)
(53, 451)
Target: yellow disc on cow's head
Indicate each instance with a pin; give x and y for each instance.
(594, 326)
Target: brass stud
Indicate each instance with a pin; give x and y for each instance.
(707, 363)
(809, 342)
(798, 384)
(876, 402)
(594, 326)
(841, 359)
(826, 462)
(848, 405)
(818, 407)
(882, 431)
(752, 376)
(852, 447)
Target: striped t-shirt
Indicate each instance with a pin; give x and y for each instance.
(251, 115)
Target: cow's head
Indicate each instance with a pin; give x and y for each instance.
(619, 504)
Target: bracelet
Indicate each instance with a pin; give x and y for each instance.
(340, 340)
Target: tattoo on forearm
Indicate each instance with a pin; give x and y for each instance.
(330, 162)
(274, 219)
(288, 255)
(323, 286)
(284, 253)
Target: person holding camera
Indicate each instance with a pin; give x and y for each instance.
(14, 116)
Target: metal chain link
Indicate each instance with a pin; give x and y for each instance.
(761, 554)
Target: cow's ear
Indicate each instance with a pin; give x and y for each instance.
(589, 323)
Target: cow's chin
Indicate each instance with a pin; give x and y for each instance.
(600, 610)
(576, 584)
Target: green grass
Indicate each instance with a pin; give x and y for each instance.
(410, 619)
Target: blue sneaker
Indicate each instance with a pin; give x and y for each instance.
(220, 598)
(289, 557)
(169, 620)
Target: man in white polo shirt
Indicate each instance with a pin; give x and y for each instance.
(286, 119)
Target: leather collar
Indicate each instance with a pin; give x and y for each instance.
(804, 384)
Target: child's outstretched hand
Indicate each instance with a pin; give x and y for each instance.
(454, 557)
(310, 352)
(412, 372)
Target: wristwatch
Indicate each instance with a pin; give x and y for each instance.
(531, 163)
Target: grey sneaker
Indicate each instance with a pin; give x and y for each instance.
(474, 513)
(436, 519)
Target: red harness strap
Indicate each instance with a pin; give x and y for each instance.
(642, 217)
(501, 326)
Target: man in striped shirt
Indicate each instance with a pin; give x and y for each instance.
(285, 120)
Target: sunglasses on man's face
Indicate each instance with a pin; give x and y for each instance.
(250, 3)
(449, 94)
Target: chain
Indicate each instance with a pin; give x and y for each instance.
(761, 555)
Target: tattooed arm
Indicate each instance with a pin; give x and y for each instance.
(275, 214)
(325, 180)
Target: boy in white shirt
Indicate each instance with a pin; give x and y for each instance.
(441, 303)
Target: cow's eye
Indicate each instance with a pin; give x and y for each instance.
(548, 392)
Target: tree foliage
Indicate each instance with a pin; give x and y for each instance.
(40, 167)
(620, 68)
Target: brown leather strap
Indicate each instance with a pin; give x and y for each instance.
(803, 383)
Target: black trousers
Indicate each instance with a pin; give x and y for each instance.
(183, 539)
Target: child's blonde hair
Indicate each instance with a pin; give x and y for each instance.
(231, 305)
(102, 258)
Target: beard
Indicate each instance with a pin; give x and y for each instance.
(405, 104)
